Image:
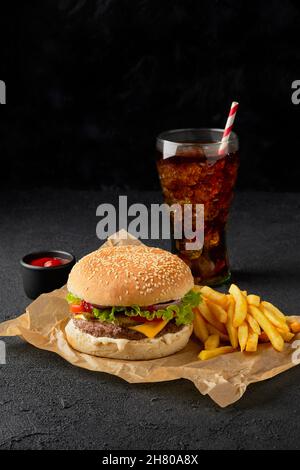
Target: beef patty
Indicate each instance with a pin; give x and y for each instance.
(113, 330)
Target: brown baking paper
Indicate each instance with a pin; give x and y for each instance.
(224, 378)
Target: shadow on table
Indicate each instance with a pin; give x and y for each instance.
(177, 394)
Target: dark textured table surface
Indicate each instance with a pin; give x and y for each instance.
(46, 403)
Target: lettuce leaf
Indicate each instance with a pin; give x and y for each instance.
(104, 315)
(182, 312)
(72, 299)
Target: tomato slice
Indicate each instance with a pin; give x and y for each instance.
(86, 307)
(81, 308)
(75, 308)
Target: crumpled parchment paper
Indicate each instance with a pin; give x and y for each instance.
(224, 378)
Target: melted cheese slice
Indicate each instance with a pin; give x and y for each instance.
(150, 329)
(80, 316)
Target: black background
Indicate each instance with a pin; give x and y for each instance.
(90, 83)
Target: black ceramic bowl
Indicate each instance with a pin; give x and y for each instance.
(38, 279)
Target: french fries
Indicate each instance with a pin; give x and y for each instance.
(252, 341)
(214, 331)
(273, 309)
(204, 355)
(275, 337)
(253, 324)
(240, 312)
(243, 335)
(217, 311)
(209, 317)
(215, 296)
(200, 328)
(295, 327)
(212, 342)
(274, 319)
(232, 330)
(286, 335)
(253, 300)
(227, 322)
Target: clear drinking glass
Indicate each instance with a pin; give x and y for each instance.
(192, 169)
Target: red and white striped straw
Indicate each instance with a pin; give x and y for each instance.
(228, 127)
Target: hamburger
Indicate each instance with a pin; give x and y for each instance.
(130, 302)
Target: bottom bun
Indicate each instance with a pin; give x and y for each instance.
(143, 349)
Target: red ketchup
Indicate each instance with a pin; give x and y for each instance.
(48, 262)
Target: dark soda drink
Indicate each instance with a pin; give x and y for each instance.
(193, 170)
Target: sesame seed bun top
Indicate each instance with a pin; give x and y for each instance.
(130, 275)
